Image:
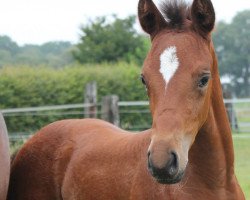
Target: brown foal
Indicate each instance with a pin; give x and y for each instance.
(186, 155)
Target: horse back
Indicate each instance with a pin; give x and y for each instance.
(39, 169)
(33, 168)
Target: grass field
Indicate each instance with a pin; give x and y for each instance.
(242, 161)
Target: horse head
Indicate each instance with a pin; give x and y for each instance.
(177, 74)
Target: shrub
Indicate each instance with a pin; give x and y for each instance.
(30, 87)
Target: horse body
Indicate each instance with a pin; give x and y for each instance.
(188, 152)
(69, 158)
(4, 159)
(69, 166)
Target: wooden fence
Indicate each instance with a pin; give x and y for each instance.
(111, 109)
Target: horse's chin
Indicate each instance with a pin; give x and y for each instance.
(174, 180)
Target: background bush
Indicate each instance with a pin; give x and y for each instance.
(30, 87)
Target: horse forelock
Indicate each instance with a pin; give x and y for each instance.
(175, 12)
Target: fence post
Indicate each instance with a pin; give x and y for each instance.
(110, 109)
(90, 97)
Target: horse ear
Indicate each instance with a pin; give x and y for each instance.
(203, 16)
(150, 18)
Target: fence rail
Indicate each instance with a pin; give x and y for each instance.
(122, 113)
(85, 105)
(45, 108)
(245, 100)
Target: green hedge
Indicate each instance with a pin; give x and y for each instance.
(39, 86)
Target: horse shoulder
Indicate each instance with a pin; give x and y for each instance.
(104, 157)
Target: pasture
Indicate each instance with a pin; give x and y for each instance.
(242, 161)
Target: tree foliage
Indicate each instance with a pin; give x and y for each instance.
(232, 42)
(105, 41)
(8, 50)
(54, 54)
(7, 44)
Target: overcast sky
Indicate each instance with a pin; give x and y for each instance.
(39, 21)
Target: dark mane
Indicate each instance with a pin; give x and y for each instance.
(175, 12)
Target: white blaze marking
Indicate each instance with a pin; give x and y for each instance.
(168, 63)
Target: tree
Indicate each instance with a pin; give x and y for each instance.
(8, 45)
(105, 41)
(29, 55)
(56, 47)
(5, 57)
(57, 54)
(54, 54)
(8, 49)
(232, 42)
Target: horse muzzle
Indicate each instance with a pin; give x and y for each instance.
(170, 172)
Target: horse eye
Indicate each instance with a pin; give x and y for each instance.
(203, 81)
(143, 80)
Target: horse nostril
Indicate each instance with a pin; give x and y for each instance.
(148, 154)
(173, 164)
(149, 162)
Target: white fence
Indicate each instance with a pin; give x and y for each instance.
(133, 115)
(239, 114)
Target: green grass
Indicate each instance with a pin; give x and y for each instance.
(242, 161)
(15, 146)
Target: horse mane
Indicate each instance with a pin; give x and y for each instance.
(175, 12)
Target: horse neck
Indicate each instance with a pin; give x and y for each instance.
(211, 155)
